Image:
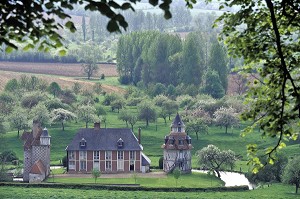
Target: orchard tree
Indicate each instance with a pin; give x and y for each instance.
(226, 117)
(19, 119)
(76, 88)
(124, 116)
(100, 110)
(147, 112)
(86, 114)
(62, 115)
(132, 120)
(291, 173)
(197, 126)
(54, 88)
(212, 158)
(12, 85)
(40, 113)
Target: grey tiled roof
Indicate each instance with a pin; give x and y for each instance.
(145, 160)
(177, 122)
(104, 139)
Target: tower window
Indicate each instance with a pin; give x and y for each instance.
(179, 129)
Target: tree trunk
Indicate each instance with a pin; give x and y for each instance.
(132, 127)
(297, 186)
(126, 124)
(197, 135)
(63, 126)
(147, 122)
(86, 125)
(226, 129)
(218, 173)
(18, 133)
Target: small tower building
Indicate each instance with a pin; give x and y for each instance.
(177, 148)
(36, 154)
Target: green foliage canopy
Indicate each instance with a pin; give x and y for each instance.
(266, 34)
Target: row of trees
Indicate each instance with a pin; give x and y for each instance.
(153, 57)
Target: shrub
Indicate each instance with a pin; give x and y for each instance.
(65, 161)
(102, 76)
(8, 156)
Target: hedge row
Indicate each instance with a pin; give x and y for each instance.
(123, 187)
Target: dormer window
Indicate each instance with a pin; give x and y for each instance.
(83, 143)
(188, 139)
(171, 142)
(120, 143)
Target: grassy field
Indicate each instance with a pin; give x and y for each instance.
(277, 191)
(192, 180)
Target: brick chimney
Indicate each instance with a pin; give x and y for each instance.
(36, 127)
(96, 125)
(139, 135)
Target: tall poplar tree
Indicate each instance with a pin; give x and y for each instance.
(217, 62)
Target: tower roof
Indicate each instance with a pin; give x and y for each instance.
(177, 122)
(45, 133)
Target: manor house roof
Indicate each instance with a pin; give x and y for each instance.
(104, 139)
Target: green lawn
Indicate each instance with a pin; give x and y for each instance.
(193, 180)
(277, 191)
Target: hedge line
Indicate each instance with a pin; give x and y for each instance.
(123, 187)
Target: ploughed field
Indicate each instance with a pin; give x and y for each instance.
(64, 74)
(61, 69)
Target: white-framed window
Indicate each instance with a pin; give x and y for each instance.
(96, 165)
(120, 155)
(82, 155)
(72, 165)
(120, 160)
(72, 155)
(108, 155)
(132, 155)
(83, 165)
(107, 165)
(96, 155)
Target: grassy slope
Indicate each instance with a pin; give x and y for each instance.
(276, 190)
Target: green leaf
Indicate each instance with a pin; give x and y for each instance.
(9, 49)
(62, 52)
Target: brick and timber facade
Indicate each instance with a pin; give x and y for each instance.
(110, 150)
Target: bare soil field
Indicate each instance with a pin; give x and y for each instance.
(64, 82)
(62, 69)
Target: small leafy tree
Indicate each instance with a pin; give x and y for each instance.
(211, 157)
(97, 88)
(124, 116)
(96, 174)
(40, 113)
(76, 88)
(291, 174)
(89, 67)
(62, 115)
(132, 120)
(18, 119)
(176, 174)
(147, 112)
(226, 117)
(100, 110)
(197, 126)
(54, 88)
(134, 176)
(86, 114)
